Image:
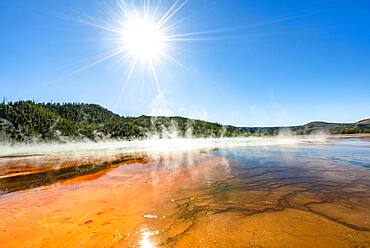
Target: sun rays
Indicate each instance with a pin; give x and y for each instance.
(143, 36)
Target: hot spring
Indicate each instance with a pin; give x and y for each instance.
(251, 192)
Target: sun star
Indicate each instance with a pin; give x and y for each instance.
(143, 36)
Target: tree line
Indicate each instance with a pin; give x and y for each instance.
(28, 121)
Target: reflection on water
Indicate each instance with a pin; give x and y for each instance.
(277, 196)
(145, 238)
(19, 177)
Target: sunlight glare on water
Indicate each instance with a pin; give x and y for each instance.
(145, 238)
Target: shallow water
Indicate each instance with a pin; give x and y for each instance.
(297, 195)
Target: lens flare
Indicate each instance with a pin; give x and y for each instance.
(142, 35)
(145, 34)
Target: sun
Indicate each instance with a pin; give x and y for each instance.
(143, 40)
(143, 35)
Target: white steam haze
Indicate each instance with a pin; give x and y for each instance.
(154, 145)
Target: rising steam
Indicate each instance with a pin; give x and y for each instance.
(154, 144)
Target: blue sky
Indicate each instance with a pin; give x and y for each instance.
(272, 62)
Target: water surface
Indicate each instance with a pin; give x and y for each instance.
(297, 195)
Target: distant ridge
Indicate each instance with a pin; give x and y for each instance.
(27, 121)
(364, 122)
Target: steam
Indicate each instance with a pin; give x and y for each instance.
(154, 145)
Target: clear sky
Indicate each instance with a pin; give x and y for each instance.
(270, 62)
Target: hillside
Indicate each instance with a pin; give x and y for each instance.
(26, 121)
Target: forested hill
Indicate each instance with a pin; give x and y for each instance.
(29, 121)
(26, 121)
